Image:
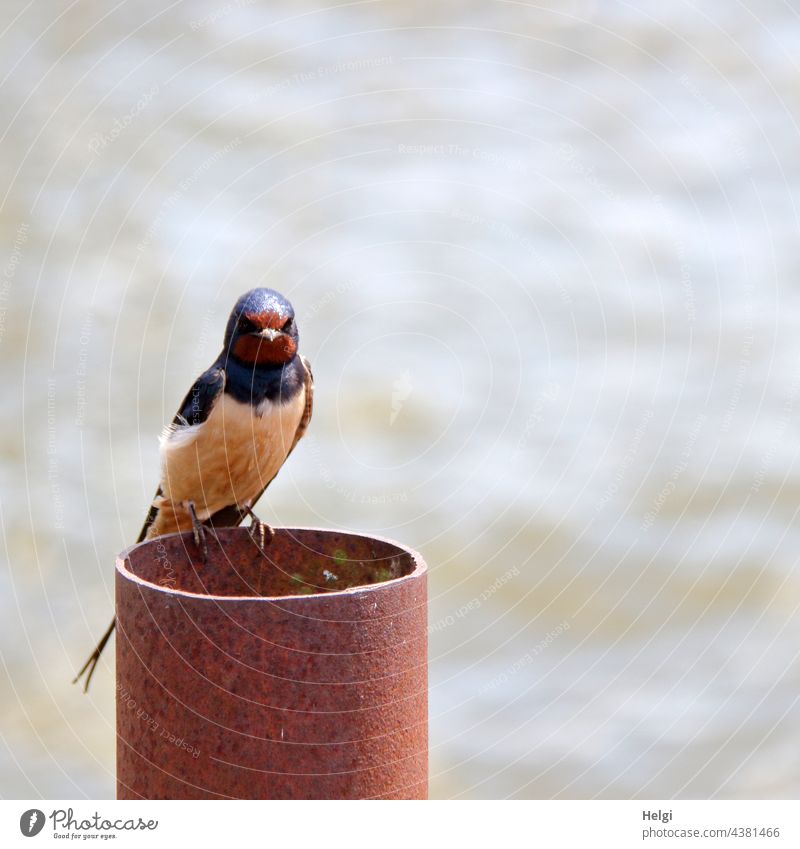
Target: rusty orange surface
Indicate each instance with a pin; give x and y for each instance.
(299, 672)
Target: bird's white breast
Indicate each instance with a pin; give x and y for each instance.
(228, 459)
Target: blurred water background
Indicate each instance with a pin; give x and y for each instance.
(544, 259)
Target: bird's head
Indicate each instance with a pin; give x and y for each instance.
(261, 329)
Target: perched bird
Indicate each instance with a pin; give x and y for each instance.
(234, 430)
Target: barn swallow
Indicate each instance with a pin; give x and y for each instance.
(234, 430)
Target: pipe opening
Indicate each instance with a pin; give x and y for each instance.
(298, 562)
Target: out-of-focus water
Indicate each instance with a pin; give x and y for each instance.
(544, 259)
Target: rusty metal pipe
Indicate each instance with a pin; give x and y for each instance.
(299, 672)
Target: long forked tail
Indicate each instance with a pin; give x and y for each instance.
(91, 663)
(227, 517)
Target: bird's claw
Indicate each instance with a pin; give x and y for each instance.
(198, 532)
(261, 532)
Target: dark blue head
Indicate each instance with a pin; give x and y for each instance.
(261, 329)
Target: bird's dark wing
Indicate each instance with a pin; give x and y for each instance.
(194, 410)
(200, 399)
(309, 409)
(151, 516)
(232, 515)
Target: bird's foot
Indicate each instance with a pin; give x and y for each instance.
(261, 532)
(199, 532)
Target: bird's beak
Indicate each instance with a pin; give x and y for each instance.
(269, 334)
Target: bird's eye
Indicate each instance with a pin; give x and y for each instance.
(287, 325)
